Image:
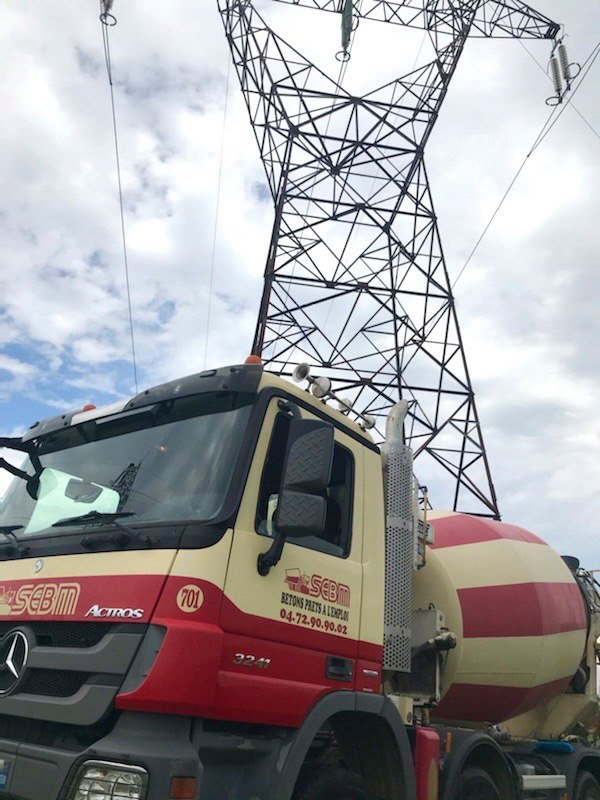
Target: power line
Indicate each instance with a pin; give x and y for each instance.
(504, 196)
(217, 207)
(109, 21)
(545, 130)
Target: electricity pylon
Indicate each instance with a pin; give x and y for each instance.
(355, 280)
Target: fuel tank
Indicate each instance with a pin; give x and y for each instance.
(517, 612)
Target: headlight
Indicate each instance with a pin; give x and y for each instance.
(98, 780)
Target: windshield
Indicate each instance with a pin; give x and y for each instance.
(162, 463)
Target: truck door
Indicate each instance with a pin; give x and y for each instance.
(292, 635)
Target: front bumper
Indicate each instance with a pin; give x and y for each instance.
(159, 743)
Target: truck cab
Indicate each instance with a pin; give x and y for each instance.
(130, 577)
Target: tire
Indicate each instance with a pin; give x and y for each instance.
(476, 784)
(586, 787)
(337, 785)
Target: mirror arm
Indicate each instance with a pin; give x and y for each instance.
(18, 473)
(271, 557)
(33, 484)
(14, 443)
(35, 462)
(289, 408)
(33, 481)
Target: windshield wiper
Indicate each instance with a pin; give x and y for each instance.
(106, 518)
(9, 532)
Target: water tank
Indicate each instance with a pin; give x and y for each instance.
(517, 612)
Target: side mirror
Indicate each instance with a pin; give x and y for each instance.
(306, 474)
(300, 514)
(308, 456)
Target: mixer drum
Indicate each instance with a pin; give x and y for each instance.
(517, 612)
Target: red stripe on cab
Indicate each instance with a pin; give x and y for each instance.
(521, 609)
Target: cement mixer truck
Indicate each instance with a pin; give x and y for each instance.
(223, 589)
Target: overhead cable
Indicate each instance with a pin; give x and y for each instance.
(109, 21)
(545, 130)
(217, 207)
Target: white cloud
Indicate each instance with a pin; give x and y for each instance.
(18, 369)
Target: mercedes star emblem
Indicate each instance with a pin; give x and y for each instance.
(38, 565)
(14, 650)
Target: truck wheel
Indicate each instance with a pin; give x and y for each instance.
(586, 787)
(476, 784)
(337, 785)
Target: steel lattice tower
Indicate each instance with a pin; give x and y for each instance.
(355, 281)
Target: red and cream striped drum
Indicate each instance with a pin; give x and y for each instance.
(517, 612)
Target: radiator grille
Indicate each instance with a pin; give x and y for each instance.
(54, 682)
(62, 634)
(65, 658)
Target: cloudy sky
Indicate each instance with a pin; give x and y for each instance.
(527, 302)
